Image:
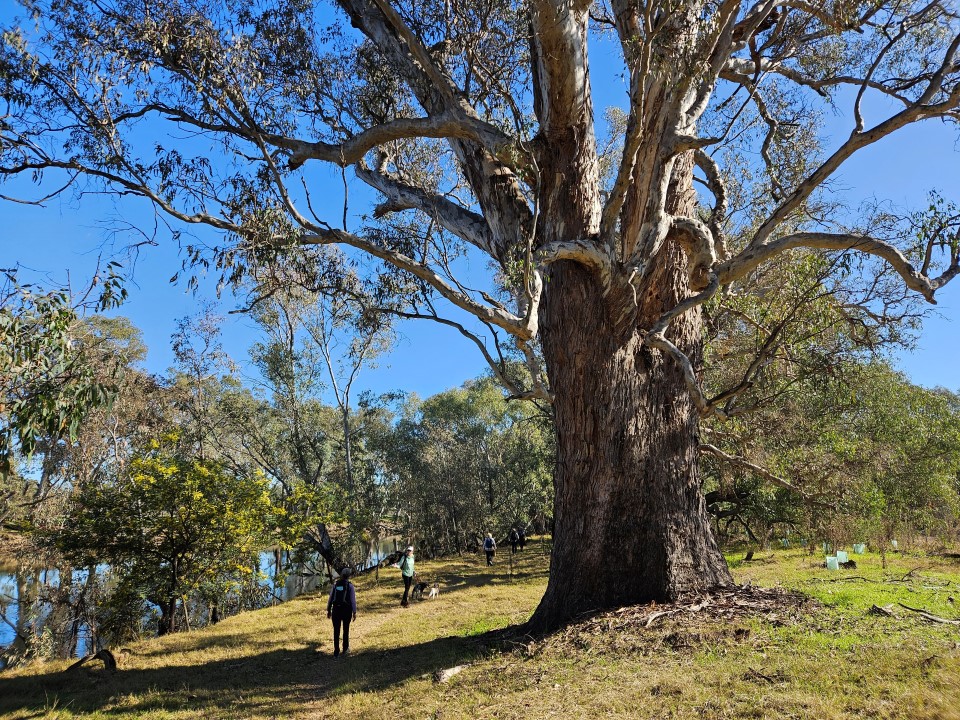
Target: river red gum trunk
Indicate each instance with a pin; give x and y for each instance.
(631, 523)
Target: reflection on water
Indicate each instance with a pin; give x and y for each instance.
(39, 607)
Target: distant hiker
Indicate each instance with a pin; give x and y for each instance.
(342, 606)
(406, 566)
(490, 548)
(513, 538)
(522, 538)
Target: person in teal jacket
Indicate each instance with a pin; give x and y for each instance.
(406, 566)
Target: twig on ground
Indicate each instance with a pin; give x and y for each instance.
(760, 675)
(930, 616)
(852, 577)
(920, 567)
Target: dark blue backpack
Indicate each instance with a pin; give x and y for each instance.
(341, 594)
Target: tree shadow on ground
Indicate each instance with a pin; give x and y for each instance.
(275, 682)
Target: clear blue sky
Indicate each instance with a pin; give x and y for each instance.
(67, 235)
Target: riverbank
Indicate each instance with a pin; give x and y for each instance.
(824, 655)
(12, 547)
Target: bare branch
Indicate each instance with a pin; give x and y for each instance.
(719, 189)
(520, 327)
(463, 223)
(856, 142)
(539, 392)
(751, 257)
(492, 180)
(756, 469)
(446, 125)
(656, 338)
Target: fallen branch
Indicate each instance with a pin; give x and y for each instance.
(444, 675)
(919, 567)
(757, 674)
(886, 610)
(109, 661)
(657, 615)
(852, 577)
(930, 616)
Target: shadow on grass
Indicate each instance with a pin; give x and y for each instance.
(276, 682)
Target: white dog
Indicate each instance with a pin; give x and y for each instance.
(434, 591)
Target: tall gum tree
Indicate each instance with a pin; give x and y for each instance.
(474, 122)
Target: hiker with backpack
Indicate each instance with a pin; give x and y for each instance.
(513, 538)
(342, 607)
(490, 548)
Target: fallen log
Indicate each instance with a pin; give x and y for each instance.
(109, 661)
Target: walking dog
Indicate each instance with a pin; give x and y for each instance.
(418, 589)
(421, 587)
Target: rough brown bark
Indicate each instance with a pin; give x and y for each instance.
(631, 523)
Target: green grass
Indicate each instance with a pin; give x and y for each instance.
(831, 658)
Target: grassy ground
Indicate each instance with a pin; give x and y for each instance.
(830, 658)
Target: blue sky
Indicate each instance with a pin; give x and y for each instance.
(65, 238)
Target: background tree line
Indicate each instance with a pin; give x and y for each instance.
(179, 482)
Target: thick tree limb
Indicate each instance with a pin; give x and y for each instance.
(559, 32)
(750, 258)
(463, 223)
(493, 182)
(856, 142)
(585, 252)
(698, 243)
(719, 189)
(635, 39)
(656, 337)
(747, 465)
(446, 125)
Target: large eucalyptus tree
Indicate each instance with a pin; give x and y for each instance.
(474, 122)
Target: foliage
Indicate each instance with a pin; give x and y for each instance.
(46, 385)
(168, 525)
(470, 462)
(870, 456)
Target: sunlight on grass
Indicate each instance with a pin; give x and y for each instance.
(831, 660)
